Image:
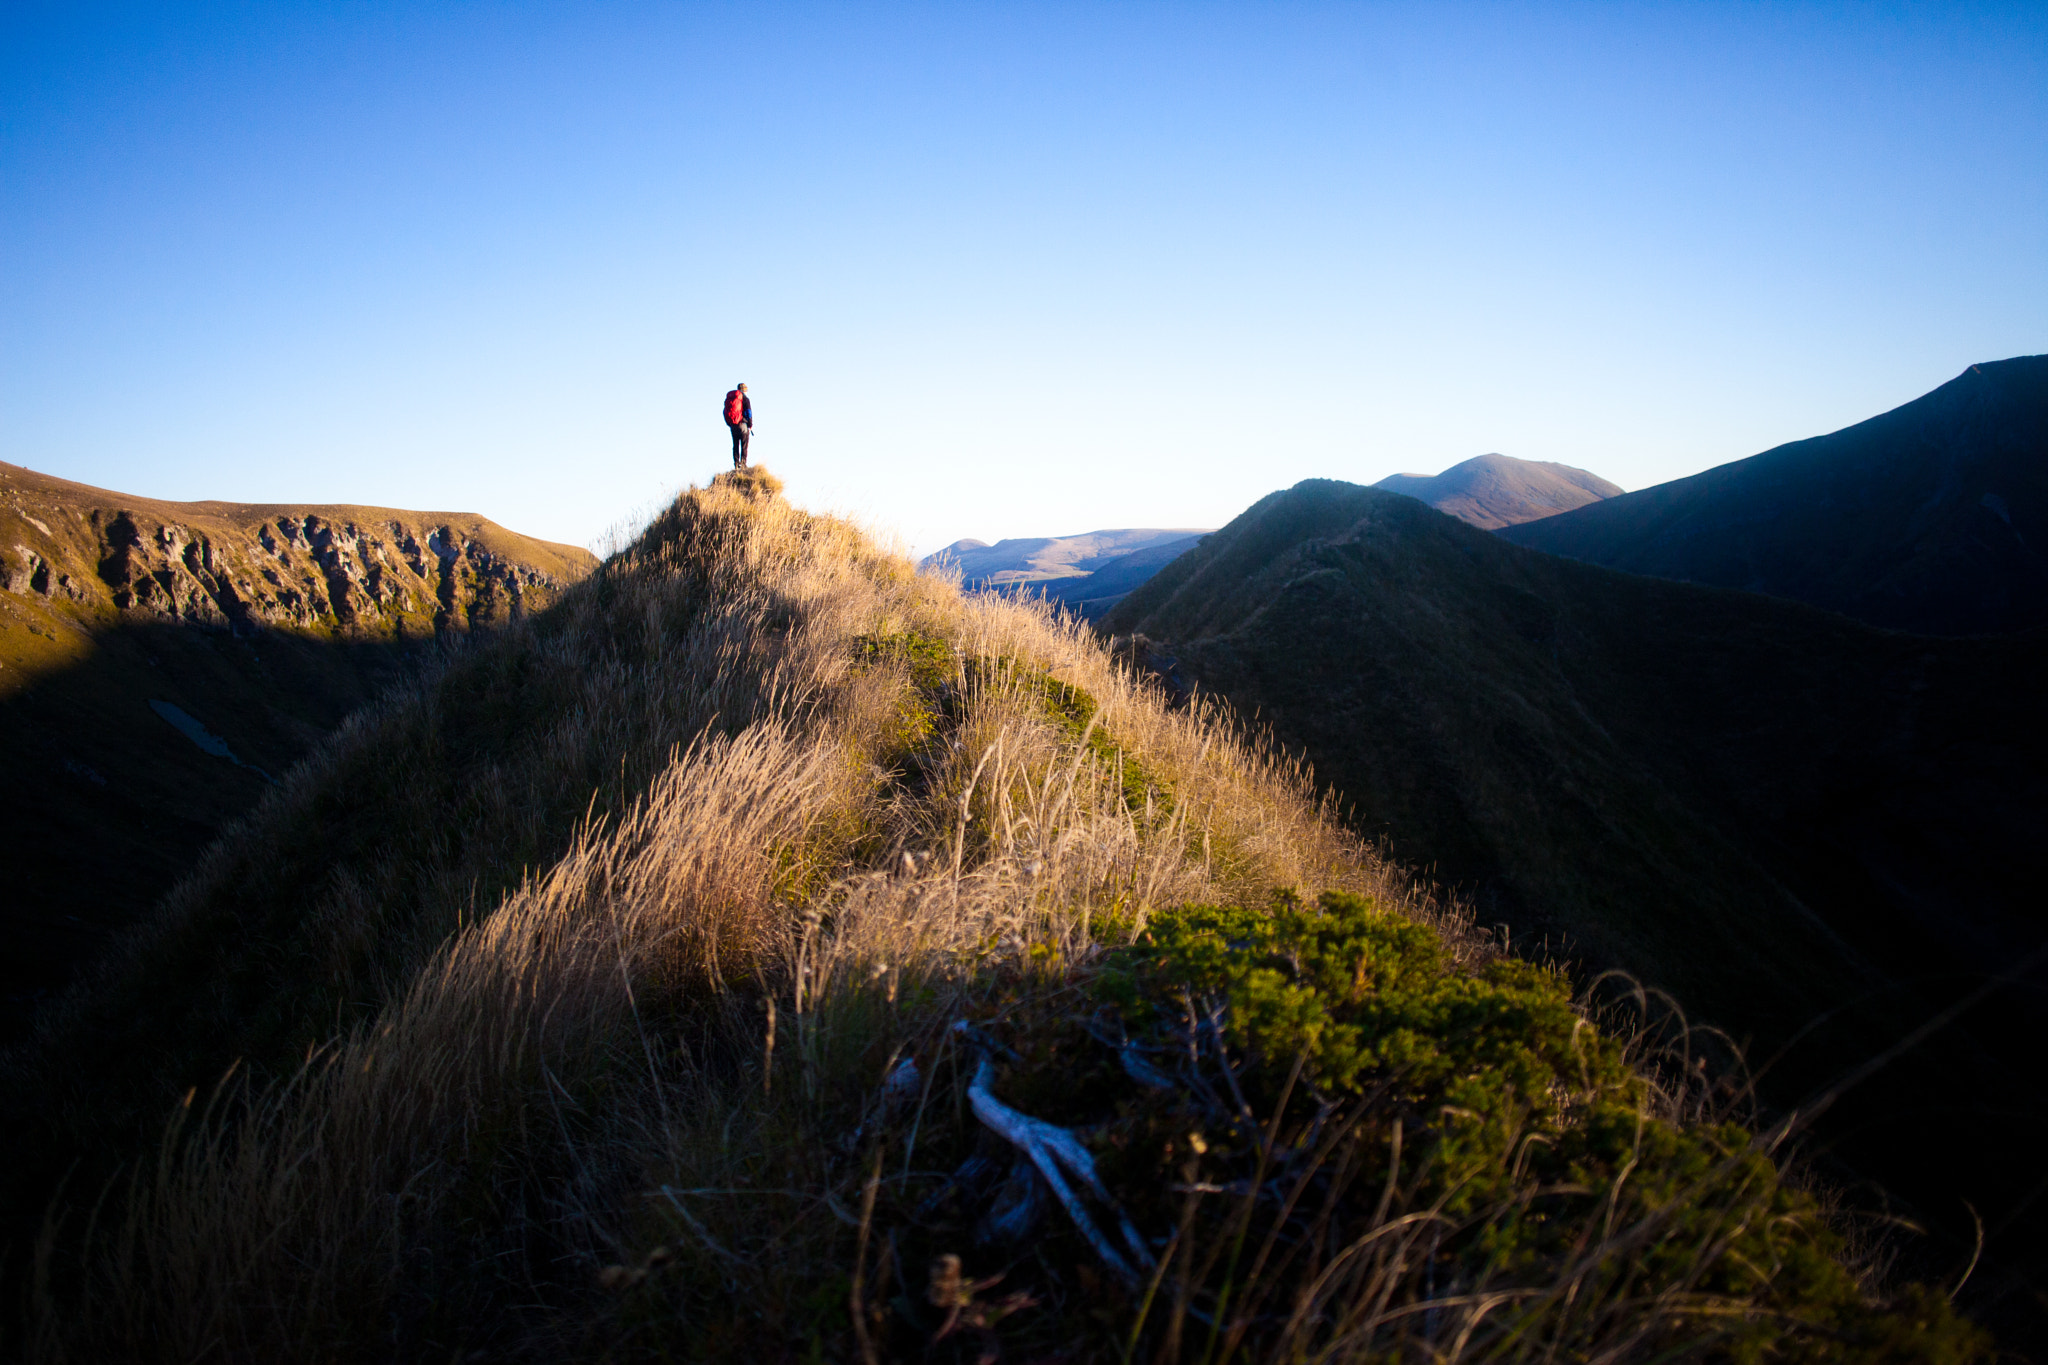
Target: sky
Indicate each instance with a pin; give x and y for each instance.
(990, 269)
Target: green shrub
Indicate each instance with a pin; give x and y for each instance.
(1535, 1148)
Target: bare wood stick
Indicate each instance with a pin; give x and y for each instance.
(1051, 1147)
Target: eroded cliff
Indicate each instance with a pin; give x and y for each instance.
(92, 555)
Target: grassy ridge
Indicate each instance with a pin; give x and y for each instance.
(837, 876)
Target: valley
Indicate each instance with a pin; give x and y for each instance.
(1087, 574)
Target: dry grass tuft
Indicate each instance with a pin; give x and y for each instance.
(752, 481)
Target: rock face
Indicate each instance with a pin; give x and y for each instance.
(161, 663)
(359, 571)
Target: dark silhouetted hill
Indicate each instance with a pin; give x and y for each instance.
(161, 663)
(1817, 834)
(1491, 491)
(1932, 517)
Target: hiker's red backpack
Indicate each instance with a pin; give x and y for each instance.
(733, 408)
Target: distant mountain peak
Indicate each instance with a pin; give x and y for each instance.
(1494, 490)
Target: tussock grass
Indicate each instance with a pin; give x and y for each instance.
(753, 482)
(847, 853)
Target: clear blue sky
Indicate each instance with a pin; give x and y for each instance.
(991, 269)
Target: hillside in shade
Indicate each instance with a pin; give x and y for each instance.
(1491, 491)
(1816, 834)
(161, 664)
(1932, 517)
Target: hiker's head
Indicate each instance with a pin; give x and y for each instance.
(741, 387)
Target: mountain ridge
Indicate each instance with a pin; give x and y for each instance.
(339, 556)
(1930, 517)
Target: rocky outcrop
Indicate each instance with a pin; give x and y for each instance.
(312, 571)
(242, 569)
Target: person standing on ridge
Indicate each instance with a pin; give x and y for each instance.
(739, 417)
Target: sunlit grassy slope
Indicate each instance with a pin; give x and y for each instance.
(771, 953)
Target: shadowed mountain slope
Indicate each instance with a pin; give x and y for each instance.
(1491, 491)
(1932, 517)
(162, 663)
(1787, 818)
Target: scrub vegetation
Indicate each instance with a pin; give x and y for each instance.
(773, 953)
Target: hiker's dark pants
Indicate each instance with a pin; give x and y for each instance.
(741, 431)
